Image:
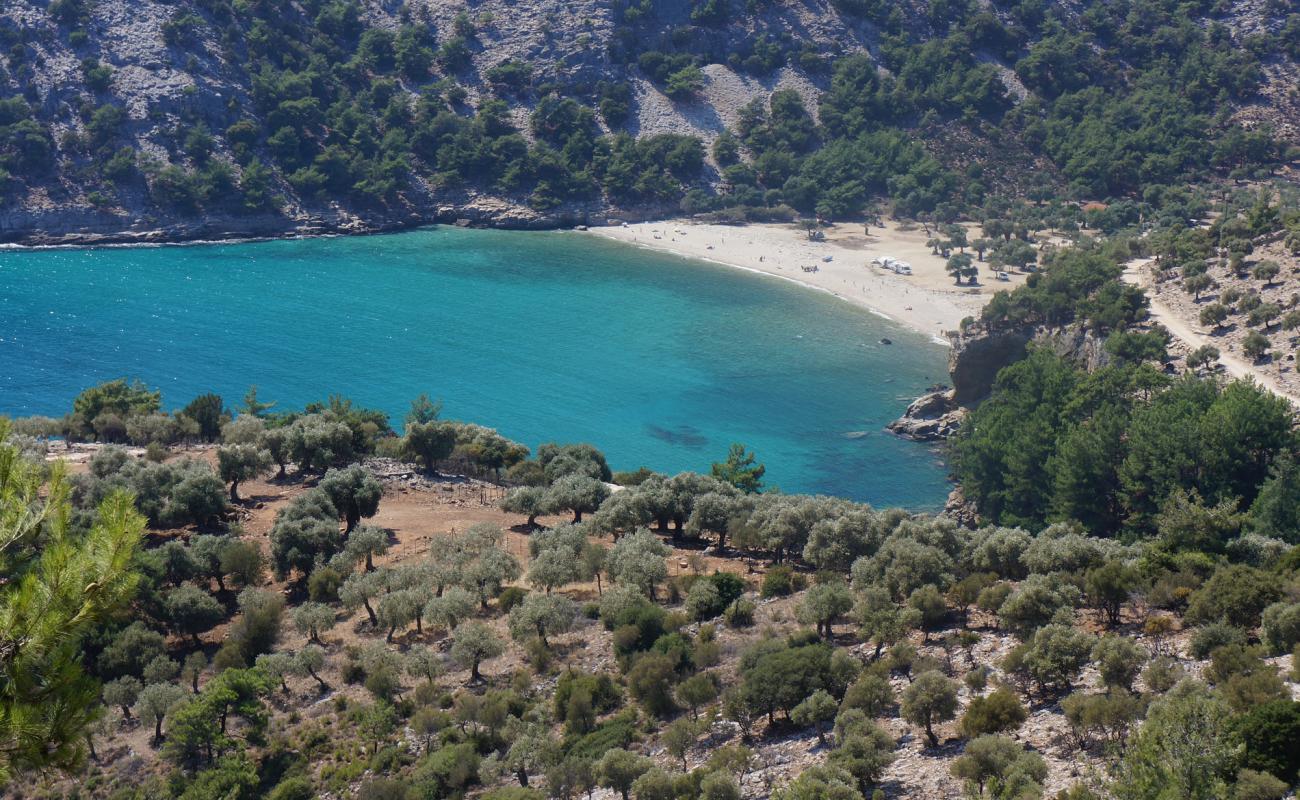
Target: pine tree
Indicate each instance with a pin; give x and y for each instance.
(61, 584)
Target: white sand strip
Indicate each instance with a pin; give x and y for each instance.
(926, 301)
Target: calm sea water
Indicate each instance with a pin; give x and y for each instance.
(658, 360)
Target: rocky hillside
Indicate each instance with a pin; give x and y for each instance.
(224, 117)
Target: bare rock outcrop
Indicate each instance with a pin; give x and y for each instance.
(931, 417)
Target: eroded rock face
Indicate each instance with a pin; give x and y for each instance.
(976, 358)
(975, 361)
(960, 509)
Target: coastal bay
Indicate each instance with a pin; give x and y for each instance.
(661, 360)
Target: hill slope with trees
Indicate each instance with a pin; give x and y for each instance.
(212, 117)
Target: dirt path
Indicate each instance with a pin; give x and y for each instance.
(1136, 273)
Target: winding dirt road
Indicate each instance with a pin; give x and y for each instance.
(1136, 273)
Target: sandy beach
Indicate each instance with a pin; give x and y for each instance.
(927, 301)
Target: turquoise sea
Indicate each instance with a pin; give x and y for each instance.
(658, 360)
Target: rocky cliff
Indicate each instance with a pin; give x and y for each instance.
(976, 358)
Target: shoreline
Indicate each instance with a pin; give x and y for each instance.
(927, 302)
(78, 228)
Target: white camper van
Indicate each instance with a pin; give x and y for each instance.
(892, 264)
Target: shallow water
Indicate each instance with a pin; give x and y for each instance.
(658, 360)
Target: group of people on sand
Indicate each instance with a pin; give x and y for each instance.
(813, 268)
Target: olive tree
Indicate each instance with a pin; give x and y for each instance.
(1054, 657)
(1119, 660)
(881, 619)
(1108, 587)
(311, 618)
(531, 749)
(621, 512)
(618, 769)
(530, 501)
(316, 442)
(161, 670)
(1035, 602)
(449, 609)
(363, 544)
(304, 531)
(1016, 771)
(999, 550)
(864, 749)
(354, 492)
(698, 690)
(540, 615)
(276, 442)
(360, 589)
(472, 644)
(577, 493)
(929, 699)
(557, 557)
(908, 560)
(559, 460)
(241, 462)
(190, 610)
(816, 711)
(835, 543)
(122, 692)
(155, 703)
(719, 786)
(820, 781)
(278, 666)
(429, 442)
(424, 662)
(714, 513)
(176, 562)
(401, 607)
(1281, 626)
(1063, 547)
(205, 551)
(193, 668)
(824, 604)
(638, 560)
(311, 659)
(244, 429)
(489, 571)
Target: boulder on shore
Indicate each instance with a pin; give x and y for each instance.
(931, 417)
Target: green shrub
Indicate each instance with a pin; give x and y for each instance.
(445, 773)
(1209, 638)
(740, 614)
(296, 788)
(999, 712)
(1269, 733)
(780, 581)
(510, 597)
(1280, 625)
(617, 732)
